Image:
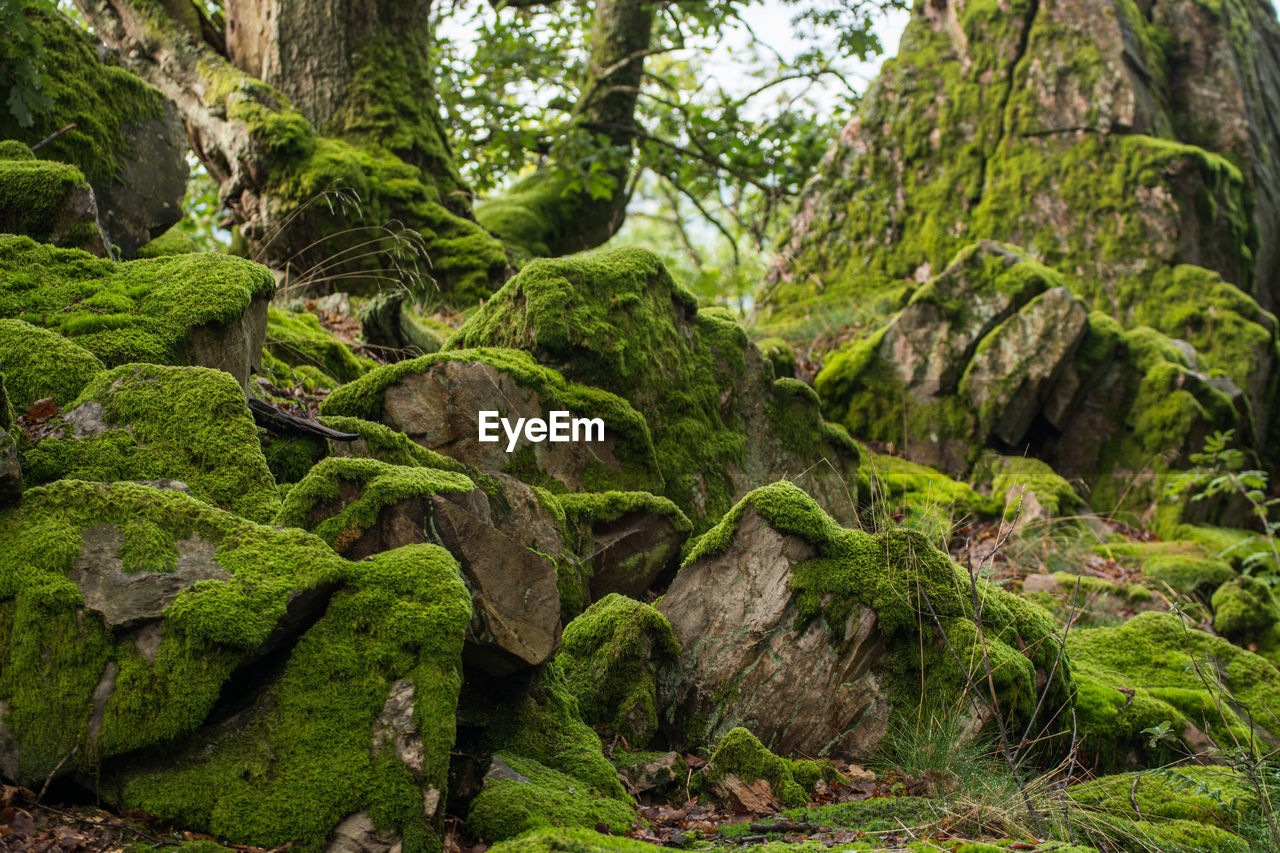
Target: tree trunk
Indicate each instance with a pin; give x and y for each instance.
(548, 213)
(312, 187)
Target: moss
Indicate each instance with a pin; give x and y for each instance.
(175, 241)
(1130, 593)
(291, 457)
(509, 807)
(879, 814)
(1018, 478)
(1182, 809)
(302, 760)
(611, 656)
(616, 320)
(594, 508)
(185, 423)
(39, 363)
(922, 498)
(55, 657)
(633, 449)
(126, 312)
(778, 352)
(298, 339)
(100, 98)
(740, 754)
(907, 582)
(1151, 655)
(573, 840)
(390, 446)
(1224, 543)
(1244, 609)
(323, 503)
(1188, 574)
(46, 201)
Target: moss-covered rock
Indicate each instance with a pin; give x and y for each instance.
(567, 840)
(51, 203)
(1245, 610)
(921, 498)
(297, 338)
(147, 422)
(264, 704)
(205, 309)
(39, 363)
(843, 628)
(175, 241)
(721, 425)
(1153, 670)
(1031, 489)
(612, 657)
(740, 758)
(436, 401)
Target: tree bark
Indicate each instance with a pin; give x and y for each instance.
(546, 214)
(308, 200)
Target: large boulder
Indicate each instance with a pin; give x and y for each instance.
(721, 423)
(436, 400)
(39, 363)
(149, 422)
(117, 131)
(222, 675)
(208, 310)
(809, 634)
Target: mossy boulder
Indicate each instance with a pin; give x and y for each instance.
(721, 425)
(548, 767)
(1154, 670)
(1032, 491)
(175, 241)
(275, 690)
(1245, 611)
(612, 657)
(921, 498)
(508, 543)
(148, 422)
(208, 310)
(49, 202)
(740, 762)
(117, 130)
(39, 363)
(297, 338)
(436, 401)
(1188, 574)
(841, 622)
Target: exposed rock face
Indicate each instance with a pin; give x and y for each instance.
(721, 424)
(436, 401)
(165, 622)
(784, 621)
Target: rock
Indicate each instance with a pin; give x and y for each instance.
(721, 424)
(1033, 584)
(207, 310)
(144, 421)
(794, 627)
(658, 774)
(49, 202)
(145, 198)
(125, 138)
(39, 364)
(298, 340)
(364, 507)
(613, 657)
(751, 780)
(275, 652)
(436, 401)
(392, 331)
(1033, 493)
(357, 834)
(629, 539)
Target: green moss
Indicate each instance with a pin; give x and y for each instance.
(1150, 657)
(45, 201)
(778, 352)
(325, 502)
(390, 446)
(611, 656)
(1130, 593)
(633, 449)
(291, 457)
(175, 241)
(1244, 609)
(39, 363)
(1223, 543)
(309, 752)
(1188, 574)
(298, 338)
(907, 582)
(572, 840)
(95, 94)
(126, 312)
(923, 498)
(592, 508)
(509, 807)
(879, 814)
(1018, 478)
(185, 423)
(740, 754)
(616, 320)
